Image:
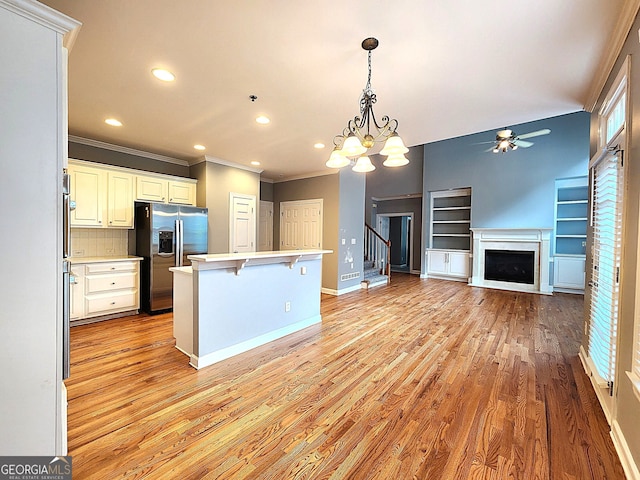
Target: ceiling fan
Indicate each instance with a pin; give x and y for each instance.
(507, 140)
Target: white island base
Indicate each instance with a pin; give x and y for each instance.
(226, 304)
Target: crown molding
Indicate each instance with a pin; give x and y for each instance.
(616, 42)
(226, 163)
(42, 14)
(397, 197)
(307, 175)
(129, 151)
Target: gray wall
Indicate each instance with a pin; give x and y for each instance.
(266, 191)
(386, 182)
(351, 256)
(326, 187)
(627, 406)
(215, 183)
(118, 159)
(514, 189)
(409, 205)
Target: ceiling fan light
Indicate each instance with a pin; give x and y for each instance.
(394, 146)
(337, 160)
(363, 165)
(395, 161)
(496, 150)
(352, 146)
(514, 146)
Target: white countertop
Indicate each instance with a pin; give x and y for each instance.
(238, 261)
(223, 257)
(78, 260)
(184, 270)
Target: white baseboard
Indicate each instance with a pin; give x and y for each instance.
(330, 291)
(223, 354)
(628, 464)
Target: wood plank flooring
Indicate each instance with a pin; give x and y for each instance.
(422, 379)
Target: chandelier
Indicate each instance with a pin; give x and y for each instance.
(364, 131)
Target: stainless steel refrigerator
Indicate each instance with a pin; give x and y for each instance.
(165, 235)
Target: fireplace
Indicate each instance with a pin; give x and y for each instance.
(509, 266)
(511, 259)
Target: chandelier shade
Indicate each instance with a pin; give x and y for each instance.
(337, 160)
(352, 146)
(363, 132)
(394, 146)
(396, 160)
(363, 165)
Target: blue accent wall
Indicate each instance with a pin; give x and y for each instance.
(514, 189)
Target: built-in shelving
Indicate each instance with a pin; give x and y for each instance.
(570, 235)
(572, 196)
(451, 219)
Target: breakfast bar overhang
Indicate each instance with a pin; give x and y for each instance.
(226, 304)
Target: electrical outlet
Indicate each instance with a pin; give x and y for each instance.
(303, 270)
(287, 306)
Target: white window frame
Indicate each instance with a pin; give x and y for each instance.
(619, 92)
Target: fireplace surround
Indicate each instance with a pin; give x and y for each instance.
(518, 259)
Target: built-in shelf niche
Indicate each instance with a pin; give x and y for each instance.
(572, 196)
(451, 219)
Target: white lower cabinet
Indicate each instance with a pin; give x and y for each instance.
(569, 273)
(77, 292)
(107, 288)
(448, 264)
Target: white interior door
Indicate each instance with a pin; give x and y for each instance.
(242, 227)
(301, 224)
(265, 226)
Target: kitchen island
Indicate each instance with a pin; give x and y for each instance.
(226, 304)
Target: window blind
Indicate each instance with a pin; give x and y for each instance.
(606, 220)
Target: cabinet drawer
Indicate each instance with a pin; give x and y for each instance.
(103, 303)
(111, 267)
(105, 283)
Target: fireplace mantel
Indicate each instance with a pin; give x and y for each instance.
(536, 240)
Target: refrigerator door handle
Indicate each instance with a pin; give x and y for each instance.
(66, 319)
(66, 214)
(179, 244)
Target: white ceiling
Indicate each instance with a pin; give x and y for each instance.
(443, 69)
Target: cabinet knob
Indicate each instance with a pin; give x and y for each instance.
(171, 199)
(113, 283)
(113, 303)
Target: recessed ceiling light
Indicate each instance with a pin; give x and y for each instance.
(318, 145)
(255, 162)
(113, 122)
(164, 75)
(262, 120)
(199, 147)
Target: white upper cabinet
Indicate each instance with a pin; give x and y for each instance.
(151, 188)
(182, 192)
(88, 192)
(104, 196)
(120, 199)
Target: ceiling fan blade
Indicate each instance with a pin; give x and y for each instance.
(522, 143)
(537, 133)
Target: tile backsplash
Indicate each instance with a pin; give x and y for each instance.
(99, 242)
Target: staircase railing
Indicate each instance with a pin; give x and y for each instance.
(377, 250)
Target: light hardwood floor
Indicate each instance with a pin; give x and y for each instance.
(422, 379)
